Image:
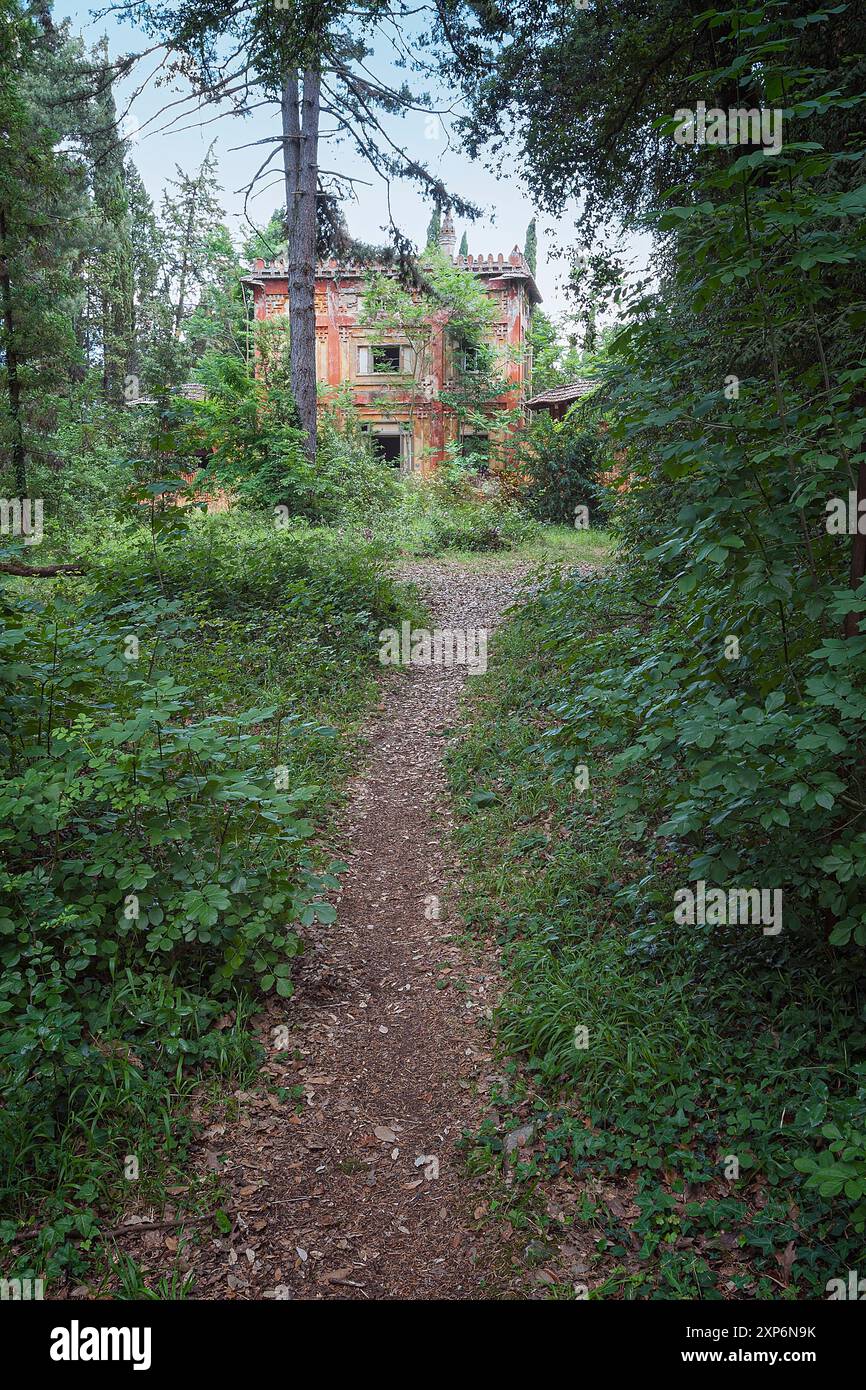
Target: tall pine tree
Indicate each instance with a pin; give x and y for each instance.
(530, 249)
(40, 205)
(188, 215)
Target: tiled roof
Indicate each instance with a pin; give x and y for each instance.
(573, 392)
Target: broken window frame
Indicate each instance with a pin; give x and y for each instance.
(479, 356)
(366, 359)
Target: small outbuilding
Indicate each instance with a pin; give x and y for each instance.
(559, 399)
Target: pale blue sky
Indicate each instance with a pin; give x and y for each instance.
(498, 189)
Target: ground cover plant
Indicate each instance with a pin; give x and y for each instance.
(706, 1129)
(168, 757)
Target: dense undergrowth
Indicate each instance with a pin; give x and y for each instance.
(427, 518)
(170, 747)
(172, 756)
(676, 780)
(718, 1063)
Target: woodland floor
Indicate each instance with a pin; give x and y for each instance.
(389, 1042)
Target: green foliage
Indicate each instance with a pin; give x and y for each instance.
(233, 563)
(739, 716)
(478, 526)
(86, 463)
(452, 514)
(116, 801)
(159, 876)
(698, 1039)
(217, 323)
(714, 687)
(453, 295)
(41, 219)
(556, 358)
(354, 483)
(839, 1168)
(434, 227)
(269, 242)
(192, 238)
(151, 870)
(564, 460)
(247, 429)
(530, 249)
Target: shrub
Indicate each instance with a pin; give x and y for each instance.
(249, 429)
(354, 483)
(157, 874)
(150, 869)
(431, 516)
(234, 561)
(706, 1043)
(564, 460)
(83, 465)
(479, 526)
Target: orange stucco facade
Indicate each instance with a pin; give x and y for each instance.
(397, 396)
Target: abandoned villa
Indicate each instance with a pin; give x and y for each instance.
(396, 401)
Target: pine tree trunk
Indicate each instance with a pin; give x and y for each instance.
(858, 555)
(300, 165)
(13, 383)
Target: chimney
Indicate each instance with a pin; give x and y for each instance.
(447, 238)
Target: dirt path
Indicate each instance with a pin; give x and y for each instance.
(388, 1036)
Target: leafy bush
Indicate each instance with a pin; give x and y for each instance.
(840, 1168)
(84, 464)
(235, 561)
(431, 516)
(479, 526)
(354, 482)
(564, 460)
(158, 867)
(731, 694)
(698, 1038)
(248, 429)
